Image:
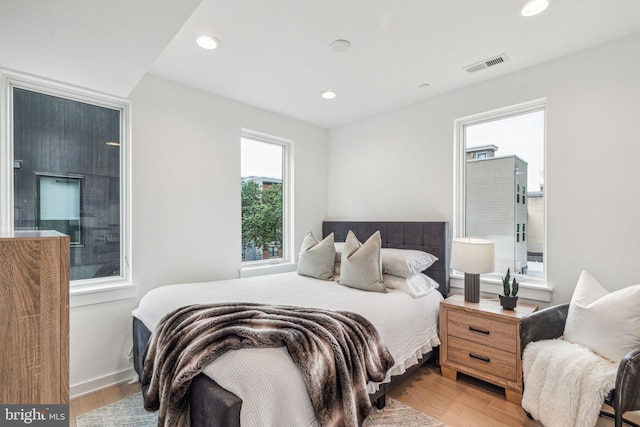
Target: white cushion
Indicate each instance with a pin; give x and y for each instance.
(416, 285)
(339, 248)
(405, 262)
(606, 322)
(361, 265)
(317, 258)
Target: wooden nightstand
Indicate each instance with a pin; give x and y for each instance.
(483, 340)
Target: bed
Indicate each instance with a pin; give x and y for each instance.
(237, 389)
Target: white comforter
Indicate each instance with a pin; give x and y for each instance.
(273, 392)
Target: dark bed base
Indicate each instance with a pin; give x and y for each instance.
(210, 404)
(213, 406)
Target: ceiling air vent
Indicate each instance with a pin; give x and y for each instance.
(486, 63)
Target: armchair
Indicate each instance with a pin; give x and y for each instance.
(549, 323)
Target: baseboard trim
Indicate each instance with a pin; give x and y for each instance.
(96, 384)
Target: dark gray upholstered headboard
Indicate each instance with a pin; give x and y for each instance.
(432, 237)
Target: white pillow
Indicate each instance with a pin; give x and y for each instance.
(405, 262)
(416, 285)
(317, 258)
(607, 323)
(361, 265)
(339, 248)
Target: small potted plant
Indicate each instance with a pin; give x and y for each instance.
(509, 299)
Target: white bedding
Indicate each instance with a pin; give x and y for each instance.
(273, 392)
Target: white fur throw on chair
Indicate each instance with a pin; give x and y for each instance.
(564, 383)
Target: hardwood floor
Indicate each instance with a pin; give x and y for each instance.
(466, 402)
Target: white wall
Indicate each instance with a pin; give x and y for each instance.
(399, 165)
(186, 173)
(186, 207)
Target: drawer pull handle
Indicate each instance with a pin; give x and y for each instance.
(483, 358)
(482, 331)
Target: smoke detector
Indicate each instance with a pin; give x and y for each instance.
(490, 62)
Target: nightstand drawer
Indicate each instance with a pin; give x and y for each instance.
(482, 358)
(482, 330)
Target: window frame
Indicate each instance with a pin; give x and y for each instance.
(460, 190)
(287, 202)
(119, 285)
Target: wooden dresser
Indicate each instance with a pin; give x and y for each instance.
(483, 340)
(34, 314)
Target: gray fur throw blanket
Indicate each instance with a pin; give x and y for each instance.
(337, 353)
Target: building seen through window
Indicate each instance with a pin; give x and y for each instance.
(67, 177)
(504, 189)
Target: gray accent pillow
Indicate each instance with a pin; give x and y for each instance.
(361, 264)
(317, 258)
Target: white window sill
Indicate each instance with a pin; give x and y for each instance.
(98, 293)
(538, 291)
(267, 267)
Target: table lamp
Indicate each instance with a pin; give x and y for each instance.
(472, 256)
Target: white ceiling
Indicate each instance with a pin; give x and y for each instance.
(105, 45)
(275, 53)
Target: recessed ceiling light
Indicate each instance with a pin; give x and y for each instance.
(328, 94)
(207, 42)
(533, 7)
(340, 46)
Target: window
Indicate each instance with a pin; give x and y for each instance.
(482, 155)
(59, 205)
(485, 206)
(65, 168)
(265, 197)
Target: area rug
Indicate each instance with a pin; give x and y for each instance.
(129, 412)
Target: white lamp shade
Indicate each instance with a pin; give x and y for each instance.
(472, 255)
